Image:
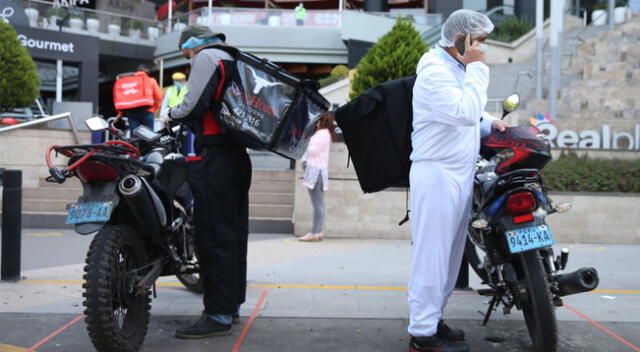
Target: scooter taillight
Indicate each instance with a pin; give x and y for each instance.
(93, 170)
(520, 203)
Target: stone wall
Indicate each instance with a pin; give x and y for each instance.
(610, 84)
(595, 218)
(350, 212)
(24, 149)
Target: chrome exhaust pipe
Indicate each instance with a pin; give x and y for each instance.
(579, 281)
(140, 201)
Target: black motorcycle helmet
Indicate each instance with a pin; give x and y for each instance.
(517, 148)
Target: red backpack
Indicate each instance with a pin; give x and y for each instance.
(132, 91)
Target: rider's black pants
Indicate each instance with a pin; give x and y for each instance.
(220, 184)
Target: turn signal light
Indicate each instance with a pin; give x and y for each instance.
(520, 203)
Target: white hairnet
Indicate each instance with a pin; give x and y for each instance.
(464, 22)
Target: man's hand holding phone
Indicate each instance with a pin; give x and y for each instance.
(472, 52)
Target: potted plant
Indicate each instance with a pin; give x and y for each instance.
(179, 26)
(76, 22)
(599, 14)
(620, 12)
(153, 32)
(93, 24)
(32, 15)
(54, 14)
(135, 28)
(114, 27)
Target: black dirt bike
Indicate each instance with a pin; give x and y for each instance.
(135, 199)
(509, 242)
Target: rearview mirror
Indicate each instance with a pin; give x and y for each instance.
(97, 124)
(510, 104)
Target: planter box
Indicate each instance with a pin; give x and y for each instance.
(76, 23)
(153, 33)
(599, 17)
(134, 33)
(93, 25)
(114, 29)
(53, 20)
(619, 15)
(32, 15)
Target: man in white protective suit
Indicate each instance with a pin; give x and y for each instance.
(449, 97)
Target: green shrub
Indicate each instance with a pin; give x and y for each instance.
(571, 173)
(19, 81)
(136, 24)
(328, 81)
(394, 56)
(600, 6)
(340, 71)
(511, 29)
(56, 11)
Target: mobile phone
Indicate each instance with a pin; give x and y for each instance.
(460, 44)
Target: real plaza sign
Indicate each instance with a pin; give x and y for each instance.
(602, 139)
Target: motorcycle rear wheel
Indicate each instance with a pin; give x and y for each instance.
(116, 318)
(537, 307)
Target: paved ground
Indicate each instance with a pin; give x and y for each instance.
(340, 295)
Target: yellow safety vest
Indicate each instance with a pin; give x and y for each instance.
(301, 12)
(175, 97)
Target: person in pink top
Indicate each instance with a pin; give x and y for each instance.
(316, 173)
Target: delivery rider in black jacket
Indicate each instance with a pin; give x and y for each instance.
(219, 177)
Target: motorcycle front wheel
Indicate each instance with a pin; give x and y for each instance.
(537, 306)
(116, 315)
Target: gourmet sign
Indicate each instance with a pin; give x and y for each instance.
(603, 138)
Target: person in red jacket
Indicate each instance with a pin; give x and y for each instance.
(144, 115)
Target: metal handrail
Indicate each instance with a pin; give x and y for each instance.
(45, 120)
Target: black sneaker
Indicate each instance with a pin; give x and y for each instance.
(203, 328)
(235, 319)
(448, 333)
(436, 344)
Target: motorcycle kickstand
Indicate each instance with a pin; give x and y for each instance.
(494, 302)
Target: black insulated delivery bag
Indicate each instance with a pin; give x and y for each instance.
(265, 107)
(377, 131)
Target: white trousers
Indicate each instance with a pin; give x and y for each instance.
(441, 198)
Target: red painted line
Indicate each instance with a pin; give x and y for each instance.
(53, 334)
(243, 334)
(599, 326)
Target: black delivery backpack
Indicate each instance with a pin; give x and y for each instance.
(377, 131)
(265, 107)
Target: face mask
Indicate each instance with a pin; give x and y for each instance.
(484, 47)
(178, 85)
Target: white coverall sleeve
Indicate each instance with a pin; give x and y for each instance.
(451, 104)
(485, 124)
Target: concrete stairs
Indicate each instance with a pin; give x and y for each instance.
(510, 77)
(271, 201)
